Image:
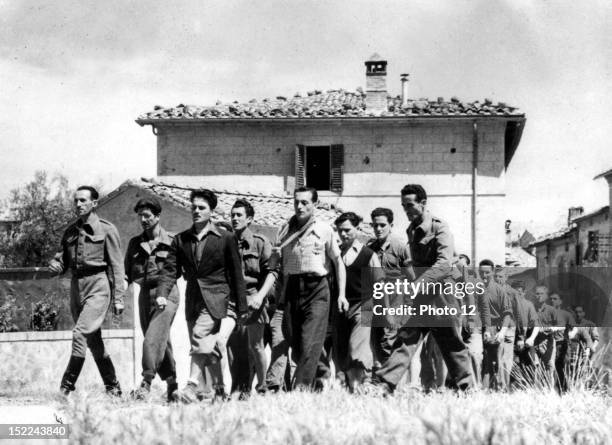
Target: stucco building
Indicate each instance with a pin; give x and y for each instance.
(359, 148)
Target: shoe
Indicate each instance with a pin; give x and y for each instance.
(172, 392)
(143, 392)
(244, 396)
(187, 395)
(261, 389)
(221, 396)
(73, 370)
(377, 388)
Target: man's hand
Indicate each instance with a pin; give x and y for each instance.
(487, 336)
(161, 303)
(520, 345)
(118, 308)
(343, 304)
(254, 301)
(55, 266)
(501, 335)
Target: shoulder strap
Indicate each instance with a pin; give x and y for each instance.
(299, 233)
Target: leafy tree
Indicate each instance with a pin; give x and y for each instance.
(42, 207)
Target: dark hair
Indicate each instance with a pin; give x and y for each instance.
(487, 262)
(92, 191)
(206, 195)
(415, 189)
(467, 258)
(579, 306)
(248, 208)
(518, 284)
(148, 203)
(382, 211)
(312, 190)
(352, 217)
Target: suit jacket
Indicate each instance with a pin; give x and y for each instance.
(215, 278)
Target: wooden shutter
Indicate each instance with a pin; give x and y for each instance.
(300, 162)
(337, 168)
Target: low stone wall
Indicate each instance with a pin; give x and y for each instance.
(38, 359)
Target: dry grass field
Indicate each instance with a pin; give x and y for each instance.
(335, 417)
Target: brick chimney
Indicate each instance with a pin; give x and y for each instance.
(573, 213)
(376, 84)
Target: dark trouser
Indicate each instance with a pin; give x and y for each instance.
(524, 370)
(498, 362)
(307, 315)
(275, 377)
(352, 344)
(157, 357)
(545, 349)
(382, 344)
(433, 369)
(561, 353)
(453, 351)
(238, 359)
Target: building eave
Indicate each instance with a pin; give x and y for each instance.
(335, 120)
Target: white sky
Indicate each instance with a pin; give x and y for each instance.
(75, 74)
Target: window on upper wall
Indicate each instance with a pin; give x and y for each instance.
(592, 252)
(321, 167)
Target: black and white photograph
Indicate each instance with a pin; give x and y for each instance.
(305, 222)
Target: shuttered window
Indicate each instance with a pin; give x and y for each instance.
(321, 167)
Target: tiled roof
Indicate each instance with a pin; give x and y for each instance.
(517, 257)
(329, 104)
(270, 210)
(553, 236)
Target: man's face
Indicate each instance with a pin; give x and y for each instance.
(541, 294)
(303, 205)
(486, 273)
(83, 204)
(500, 277)
(555, 300)
(381, 227)
(580, 313)
(240, 220)
(520, 290)
(148, 220)
(414, 209)
(347, 233)
(200, 210)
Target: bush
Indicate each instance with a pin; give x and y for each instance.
(44, 315)
(7, 315)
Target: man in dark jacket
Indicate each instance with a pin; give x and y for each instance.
(209, 260)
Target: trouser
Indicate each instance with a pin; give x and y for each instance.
(383, 338)
(275, 376)
(546, 351)
(453, 350)
(352, 344)
(307, 319)
(238, 359)
(433, 370)
(526, 362)
(560, 361)
(498, 361)
(157, 356)
(473, 340)
(89, 302)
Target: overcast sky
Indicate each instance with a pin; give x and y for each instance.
(75, 74)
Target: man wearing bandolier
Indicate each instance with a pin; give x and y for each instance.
(431, 246)
(145, 256)
(91, 249)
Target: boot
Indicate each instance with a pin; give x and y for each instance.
(107, 371)
(172, 391)
(72, 374)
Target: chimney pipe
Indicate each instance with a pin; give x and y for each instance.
(404, 79)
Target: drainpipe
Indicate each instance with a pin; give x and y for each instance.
(474, 187)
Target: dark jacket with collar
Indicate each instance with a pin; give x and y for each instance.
(215, 277)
